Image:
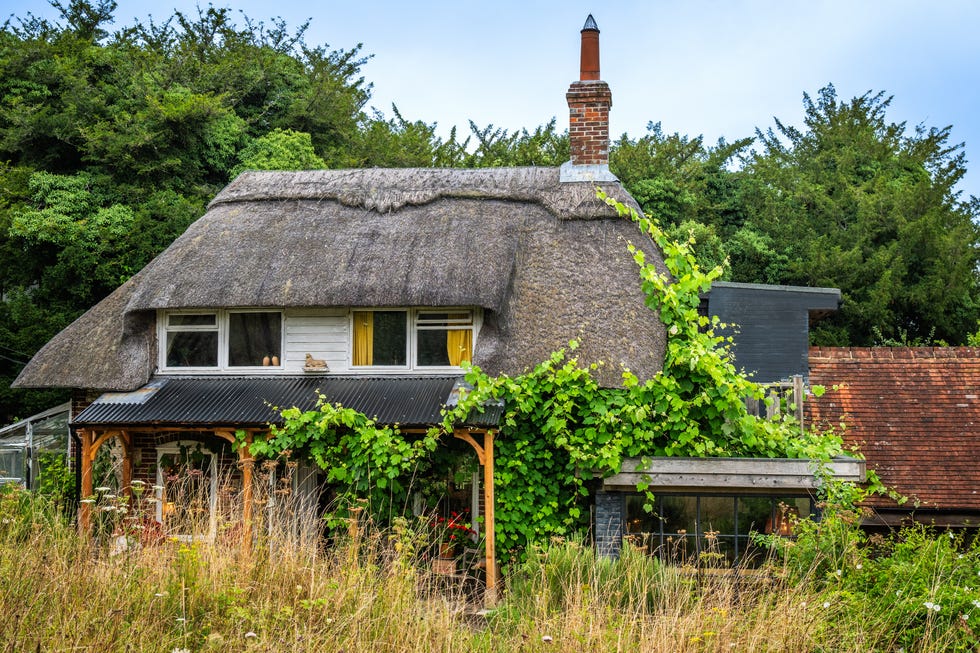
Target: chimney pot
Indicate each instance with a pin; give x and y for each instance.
(589, 67)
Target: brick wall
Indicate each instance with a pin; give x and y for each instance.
(588, 104)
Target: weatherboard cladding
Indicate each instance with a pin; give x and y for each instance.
(251, 401)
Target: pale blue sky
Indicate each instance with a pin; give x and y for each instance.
(711, 67)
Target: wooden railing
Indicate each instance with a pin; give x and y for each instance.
(780, 397)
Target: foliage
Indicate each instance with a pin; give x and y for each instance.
(365, 460)
(858, 203)
(280, 149)
(914, 584)
(377, 590)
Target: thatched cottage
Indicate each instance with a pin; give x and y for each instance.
(371, 287)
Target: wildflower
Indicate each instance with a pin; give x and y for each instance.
(931, 606)
(250, 635)
(158, 488)
(546, 639)
(859, 566)
(826, 604)
(103, 488)
(976, 603)
(137, 482)
(803, 605)
(838, 572)
(964, 617)
(87, 501)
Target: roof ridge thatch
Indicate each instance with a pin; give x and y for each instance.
(389, 189)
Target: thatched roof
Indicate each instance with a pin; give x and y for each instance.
(546, 260)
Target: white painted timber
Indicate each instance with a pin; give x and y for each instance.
(321, 333)
(741, 475)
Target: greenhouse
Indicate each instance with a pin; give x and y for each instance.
(35, 447)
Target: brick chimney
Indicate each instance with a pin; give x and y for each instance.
(589, 101)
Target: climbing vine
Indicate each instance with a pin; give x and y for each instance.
(561, 429)
(365, 460)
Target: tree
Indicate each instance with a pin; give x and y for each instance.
(859, 203)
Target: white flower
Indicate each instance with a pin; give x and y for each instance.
(859, 566)
(158, 488)
(838, 572)
(137, 482)
(87, 501)
(250, 635)
(546, 639)
(931, 606)
(103, 488)
(826, 604)
(976, 603)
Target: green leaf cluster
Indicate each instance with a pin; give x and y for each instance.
(363, 460)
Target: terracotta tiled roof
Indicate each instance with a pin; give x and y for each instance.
(915, 414)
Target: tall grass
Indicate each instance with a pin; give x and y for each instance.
(374, 590)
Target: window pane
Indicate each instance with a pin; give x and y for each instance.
(254, 339)
(679, 514)
(718, 515)
(754, 514)
(390, 338)
(192, 349)
(432, 349)
(193, 320)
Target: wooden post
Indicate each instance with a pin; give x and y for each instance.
(87, 489)
(491, 553)
(798, 399)
(127, 462)
(484, 453)
(248, 466)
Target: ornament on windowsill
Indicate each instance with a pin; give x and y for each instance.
(315, 364)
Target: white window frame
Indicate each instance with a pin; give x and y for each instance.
(173, 448)
(222, 326)
(413, 325)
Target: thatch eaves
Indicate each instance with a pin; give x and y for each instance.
(104, 349)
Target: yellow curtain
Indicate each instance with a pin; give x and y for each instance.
(363, 338)
(459, 343)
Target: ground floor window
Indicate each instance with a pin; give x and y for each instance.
(686, 528)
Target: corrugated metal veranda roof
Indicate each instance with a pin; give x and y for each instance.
(251, 401)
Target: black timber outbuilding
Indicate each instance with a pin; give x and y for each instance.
(769, 325)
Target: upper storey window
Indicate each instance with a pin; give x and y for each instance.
(221, 339)
(412, 338)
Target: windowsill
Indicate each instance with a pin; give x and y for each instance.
(282, 371)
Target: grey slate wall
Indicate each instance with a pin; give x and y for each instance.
(609, 516)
